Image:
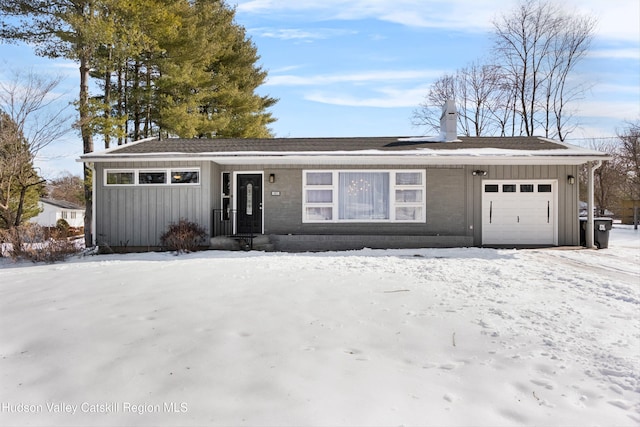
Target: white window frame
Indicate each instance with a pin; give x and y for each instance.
(335, 199)
(133, 171)
(167, 171)
(146, 184)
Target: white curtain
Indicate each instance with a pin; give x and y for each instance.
(319, 196)
(364, 195)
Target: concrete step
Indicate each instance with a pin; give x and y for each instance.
(236, 243)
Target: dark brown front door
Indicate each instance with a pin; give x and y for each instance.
(249, 205)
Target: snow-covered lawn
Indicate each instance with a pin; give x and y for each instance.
(400, 337)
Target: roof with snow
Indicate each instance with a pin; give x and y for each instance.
(178, 145)
(356, 150)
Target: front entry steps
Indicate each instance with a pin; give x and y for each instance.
(259, 242)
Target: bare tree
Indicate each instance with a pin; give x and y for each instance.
(609, 179)
(483, 98)
(525, 87)
(66, 187)
(478, 93)
(538, 45)
(428, 113)
(28, 123)
(630, 157)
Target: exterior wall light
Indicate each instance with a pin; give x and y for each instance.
(571, 179)
(272, 178)
(479, 172)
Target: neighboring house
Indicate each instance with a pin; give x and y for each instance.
(344, 193)
(53, 210)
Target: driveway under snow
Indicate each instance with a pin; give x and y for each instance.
(400, 337)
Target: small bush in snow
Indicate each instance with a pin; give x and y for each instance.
(62, 228)
(32, 242)
(183, 236)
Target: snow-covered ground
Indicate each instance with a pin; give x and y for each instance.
(463, 336)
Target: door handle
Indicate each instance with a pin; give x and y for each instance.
(490, 212)
(548, 211)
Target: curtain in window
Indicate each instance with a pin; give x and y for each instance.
(363, 195)
(319, 196)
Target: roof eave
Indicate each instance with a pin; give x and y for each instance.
(410, 158)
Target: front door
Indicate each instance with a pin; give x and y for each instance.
(249, 203)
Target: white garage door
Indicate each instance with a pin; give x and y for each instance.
(519, 212)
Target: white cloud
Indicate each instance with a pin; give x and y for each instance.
(286, 69)
(620, 110)
(390, 98)
(299, 34)
(364, 77)
(617, 19)
(622, 53)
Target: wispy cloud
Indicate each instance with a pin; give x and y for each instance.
(618, 110)
(364, 77)
(623, 53)
(299, 34)
(286, 69)
(387, 98)
(616, 19)
(414, 13)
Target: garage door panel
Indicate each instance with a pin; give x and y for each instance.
(519, 212)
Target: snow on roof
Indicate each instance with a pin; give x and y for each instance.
(380, 147)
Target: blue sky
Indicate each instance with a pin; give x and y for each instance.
(360, 67)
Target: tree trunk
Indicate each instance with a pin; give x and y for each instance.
(107, 103)
(23, 195)
(18, 219)
(136, 101)
(87, 147)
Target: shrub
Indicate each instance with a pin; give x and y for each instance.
(62, 228)
(183, 236)
(30, 242)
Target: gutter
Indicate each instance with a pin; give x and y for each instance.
(357, 157)
(590, 204)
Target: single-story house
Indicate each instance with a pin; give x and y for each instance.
(53, 210)
(298, 194)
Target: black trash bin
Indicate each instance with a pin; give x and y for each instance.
(583, 231)
(601, 228)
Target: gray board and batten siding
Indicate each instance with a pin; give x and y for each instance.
(136, 217)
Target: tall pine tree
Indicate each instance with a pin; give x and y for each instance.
(176, 67)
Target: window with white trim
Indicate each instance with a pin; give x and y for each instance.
(158, 176)
(119, 177)
(364, 196)
(152, 177)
